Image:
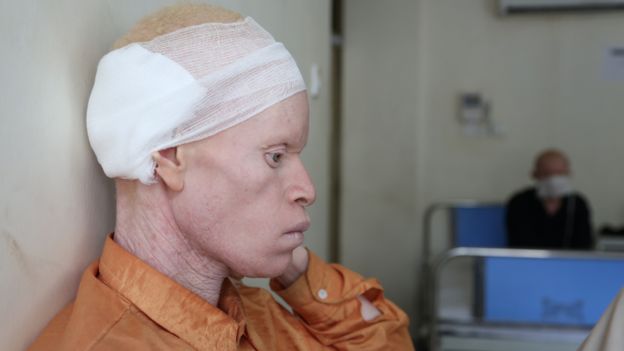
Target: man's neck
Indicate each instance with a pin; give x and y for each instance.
(552, 205)
(146, 227)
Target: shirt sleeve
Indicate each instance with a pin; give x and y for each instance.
(326, 300)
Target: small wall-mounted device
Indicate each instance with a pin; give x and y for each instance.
(473, 108)
(474, 114)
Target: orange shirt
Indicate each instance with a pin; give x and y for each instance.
(124, 304)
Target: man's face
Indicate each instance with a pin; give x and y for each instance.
(550, 166)
(246, 190)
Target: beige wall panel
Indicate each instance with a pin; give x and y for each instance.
(380, 223)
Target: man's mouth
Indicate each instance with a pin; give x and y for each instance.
(299, 228)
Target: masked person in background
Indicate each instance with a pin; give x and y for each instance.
(550, 215)
(200, 116)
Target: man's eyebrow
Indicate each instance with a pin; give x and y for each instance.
(290, 147)
(271, 145)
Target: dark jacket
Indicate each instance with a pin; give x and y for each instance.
(529, 226)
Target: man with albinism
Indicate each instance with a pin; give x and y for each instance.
(200, 116)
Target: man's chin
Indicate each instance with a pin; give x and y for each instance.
(274, 269)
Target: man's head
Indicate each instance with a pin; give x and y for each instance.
(552, 174)
(216, 135)
(188, 83)
(549, 163)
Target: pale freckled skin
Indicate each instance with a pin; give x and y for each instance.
(223, 206)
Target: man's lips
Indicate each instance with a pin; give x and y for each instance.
(299, 228)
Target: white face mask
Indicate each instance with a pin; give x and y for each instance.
(554, 187)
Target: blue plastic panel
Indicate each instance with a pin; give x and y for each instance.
(549, 291)
(482, 226)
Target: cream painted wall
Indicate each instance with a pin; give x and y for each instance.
(55, 204)
(405, 64)
(380, 223)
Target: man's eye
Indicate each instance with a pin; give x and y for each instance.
(274, 158)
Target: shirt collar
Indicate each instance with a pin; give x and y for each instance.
(172, 306)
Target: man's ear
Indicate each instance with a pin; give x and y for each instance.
(170, 167)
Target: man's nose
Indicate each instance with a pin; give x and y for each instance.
(303, 191)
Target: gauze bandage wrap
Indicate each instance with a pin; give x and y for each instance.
(181, 87)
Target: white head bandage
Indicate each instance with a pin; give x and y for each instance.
(181, 87)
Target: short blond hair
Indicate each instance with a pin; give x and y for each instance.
(172, 18)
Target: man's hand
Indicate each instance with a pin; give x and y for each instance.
(298, 266)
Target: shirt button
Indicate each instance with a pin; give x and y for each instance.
(322, 294)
